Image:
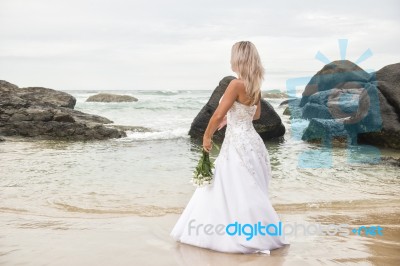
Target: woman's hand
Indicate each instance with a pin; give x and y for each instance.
(207, 144)
(223, 123)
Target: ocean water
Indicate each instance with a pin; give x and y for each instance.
(148, 173)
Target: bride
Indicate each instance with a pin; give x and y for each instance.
(234, 214)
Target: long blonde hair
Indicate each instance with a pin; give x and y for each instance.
(246, 62)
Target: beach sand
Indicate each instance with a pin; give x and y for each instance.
(27, 239)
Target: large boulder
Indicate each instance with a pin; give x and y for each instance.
(268, 126)
(342, 100)
(48, 114)
(108, 97)
(388, 82)
(334, 75)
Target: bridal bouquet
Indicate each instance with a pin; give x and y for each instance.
(203, 174)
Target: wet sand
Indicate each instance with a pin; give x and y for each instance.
(27, 239)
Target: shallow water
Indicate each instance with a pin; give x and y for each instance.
(148, 173)
(74, 186)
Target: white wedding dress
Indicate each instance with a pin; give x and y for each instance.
(238, 193)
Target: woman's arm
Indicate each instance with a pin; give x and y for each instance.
(223, 123)
(230, 96)
(258, 111)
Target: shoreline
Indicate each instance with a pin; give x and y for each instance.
(32, 240)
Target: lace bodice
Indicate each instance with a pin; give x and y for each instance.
(241, 116)
(241, 134)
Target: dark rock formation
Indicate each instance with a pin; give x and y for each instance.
(342, 100)
(293, 109)
(48, 114)
(334, 75)
(108, 97)
(389, 160)
(292, 104)
(388, 82)
(325, 129)
(286, 111)
(268, 126)
(286, 102)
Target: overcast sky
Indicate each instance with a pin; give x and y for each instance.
(172, 45)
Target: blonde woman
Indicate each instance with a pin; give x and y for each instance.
(234, 213)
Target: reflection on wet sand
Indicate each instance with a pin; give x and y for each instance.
(191, 255)
(96, 239)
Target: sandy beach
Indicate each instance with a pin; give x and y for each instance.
(134, 240)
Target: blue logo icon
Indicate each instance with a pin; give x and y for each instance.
(340, 102)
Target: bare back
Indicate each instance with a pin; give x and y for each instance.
(242, 97)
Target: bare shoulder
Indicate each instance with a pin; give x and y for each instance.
(237, 82)
(238, 85)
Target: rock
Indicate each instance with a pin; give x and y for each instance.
(287, 101)
(334, 75)
(342, 99)
(44, 96)
(48, 114)
(333, 103)
(293, 109)
(62, 117)
(390, 160)
(7, 86)
(325, 130)
(2, 139)
(268, 126)
(292, 104)
(20, 97)
(388, 79)
(286, 111)
(388, 82)
(108, 97)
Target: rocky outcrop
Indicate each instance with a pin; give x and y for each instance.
(293, 109)
(48, 114)
(344, 101)
(389, 160)
(334, 75)
(108, 97)
(268, 126)
(388, 83)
